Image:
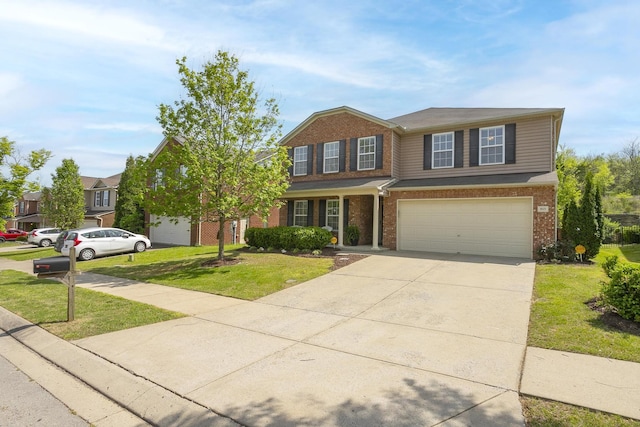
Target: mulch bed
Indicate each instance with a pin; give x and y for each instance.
(340, 259)
(613, 319)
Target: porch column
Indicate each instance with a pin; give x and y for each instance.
(376, 212)
(340, 220)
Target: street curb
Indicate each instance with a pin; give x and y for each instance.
(147, 400)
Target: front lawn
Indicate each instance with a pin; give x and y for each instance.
(561, 319)
(547, 413)
(44, 303)
(255, 275)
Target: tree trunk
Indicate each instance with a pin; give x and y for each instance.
(221, 239)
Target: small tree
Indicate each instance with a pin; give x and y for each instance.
(225, 163)
(129, 206)
(63, 204)
(590, 234)
(15, 182)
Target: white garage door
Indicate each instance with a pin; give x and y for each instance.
(498, 227)
(169, 233)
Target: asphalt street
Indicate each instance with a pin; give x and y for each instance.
(23, 402)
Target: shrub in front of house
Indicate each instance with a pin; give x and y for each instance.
(288, 238)
(622, 292)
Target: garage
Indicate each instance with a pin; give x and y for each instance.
(167, 232)
(484, 226)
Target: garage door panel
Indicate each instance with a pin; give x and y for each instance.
(169, 233)
(501, 227)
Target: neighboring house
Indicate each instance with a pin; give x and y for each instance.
(454, 180)
(27, 213)
(162, 230)
(100, 195)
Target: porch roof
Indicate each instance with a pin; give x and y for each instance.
(504, 180)
(351, 186)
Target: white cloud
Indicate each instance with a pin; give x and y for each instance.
(79, 19)
(125, 127)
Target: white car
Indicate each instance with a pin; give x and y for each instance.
(97, 241)
(43, 236)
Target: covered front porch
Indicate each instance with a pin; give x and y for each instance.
(337, 204)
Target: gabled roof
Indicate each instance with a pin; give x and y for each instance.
(339, 110)
(89, 182)
(444, 117)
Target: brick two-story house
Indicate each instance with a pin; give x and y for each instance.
(454, 180)
(100, 195)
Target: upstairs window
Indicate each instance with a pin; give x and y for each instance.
(492, 145)
(105, 198)
(300, 161)
(300, 211)
(98, 198)
(331, 157)
(442, 150)
(21, 207)
(367, 153)
(333, 214)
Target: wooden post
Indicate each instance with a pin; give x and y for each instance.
(71, 283)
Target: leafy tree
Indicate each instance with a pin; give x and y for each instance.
(571, 224)
(129, 206)
(17, 168)
(625, 167)
(63, 203)
(567, 168)
(224, 162)
(590, 235)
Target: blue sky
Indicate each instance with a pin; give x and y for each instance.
(84, 78)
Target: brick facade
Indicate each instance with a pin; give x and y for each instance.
(335, 128)
(544, 223)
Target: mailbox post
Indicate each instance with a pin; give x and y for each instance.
(71, 284)
(64, 269)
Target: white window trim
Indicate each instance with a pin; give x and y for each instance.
(330, 201)
(105, 198)
(306, 157)
(360, 154)
(295, 215)
(480, 146)
(324, 155)
(433, 150)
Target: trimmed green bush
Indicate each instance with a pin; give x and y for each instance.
(623, 290)
(288, 238)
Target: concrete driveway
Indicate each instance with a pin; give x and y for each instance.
(397, 339)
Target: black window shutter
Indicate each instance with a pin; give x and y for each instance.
(379, 151)
(510, 143)
(309, 213)
(428, 147)
(458, 151)
(345, 220)
(474, 146)
(322, 213)
(290, 153)
(310, 159)
(320, 158)
(353, 160)
(343, 154)
(289, 213)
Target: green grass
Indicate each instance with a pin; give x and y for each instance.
(44, 303)
(561, 320)
(30, 253)
(628, 253)
(257, 274)
(547, 413)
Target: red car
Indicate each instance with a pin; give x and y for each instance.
(11, 234)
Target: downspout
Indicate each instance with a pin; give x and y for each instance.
(553, 164)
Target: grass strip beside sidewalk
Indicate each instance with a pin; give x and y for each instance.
(44, 303)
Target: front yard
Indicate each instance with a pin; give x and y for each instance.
(561, 319)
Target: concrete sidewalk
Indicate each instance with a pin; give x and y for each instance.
(402, 339)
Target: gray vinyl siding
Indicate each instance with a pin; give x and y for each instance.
(533, 151)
